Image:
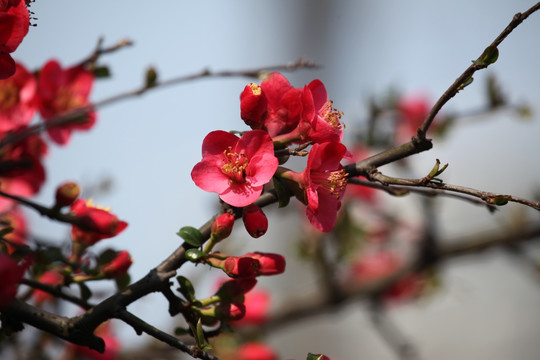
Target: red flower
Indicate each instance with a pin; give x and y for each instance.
(118, 266)
(26, 174)
(324, 181)
(255, 221)
(100, 223)
(373, 267)
(15, 220)
(17, 99)
(236, 168)
(61, 90)
(11, 274)
(276, 106)
(412, 111)
(51, 277)
(257, 304)
(326, 125)
(14, 24)
(256, 351)
(222, 226)
(270, 264)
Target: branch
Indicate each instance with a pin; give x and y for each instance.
(405, 190)
(488, 197)
(466, 77)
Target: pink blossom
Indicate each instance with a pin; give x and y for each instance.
(236, 168)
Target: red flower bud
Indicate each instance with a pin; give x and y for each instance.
(67, 193)
(97, 224)
(270, 264)
(253, 105)
(241, 266)
(118, 266)
(255, 221)
(222, 226)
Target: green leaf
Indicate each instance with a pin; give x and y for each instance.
(199, 336)
(179, 331)
(489, 56)
(282, 192)
(86, 293)
(314, 356)
(101, 71)
(5, 231)
(106, 256)
(122, 281)
(186, 288)
(498, 200)
(150, 79)
(194, 255)
(191, 235)
(466, 83)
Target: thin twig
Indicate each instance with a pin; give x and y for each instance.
(467, 74)
(487, 197)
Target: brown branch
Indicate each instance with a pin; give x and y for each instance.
(303, 308)
(405, 190)
(488, 197)
(467, 74)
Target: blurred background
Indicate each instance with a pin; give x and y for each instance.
(142, 150)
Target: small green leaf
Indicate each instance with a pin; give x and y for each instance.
(5, 231)
(489, 56)
(466, 83)
(122, 281)
(498, 200)
(151, 77)
(282, 192)
(199, 335)
(191, 235)
(101, 72)
(179, 331)
(106, 256)
(194, 255)
(315, 356)
(186, 288)
(86, 293)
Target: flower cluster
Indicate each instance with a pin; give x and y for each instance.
(14, 24)
(280, 115)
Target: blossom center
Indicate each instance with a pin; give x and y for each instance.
(255, 89)
(333, 182)
(331, 115)
(235, 165)
(9, 96)
(65, 100)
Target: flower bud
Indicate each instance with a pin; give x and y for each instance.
(222, 226)
(255, 221)
(253, 105)
(269, 264)
(118, 266)
(241, 267)
(66, 194)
